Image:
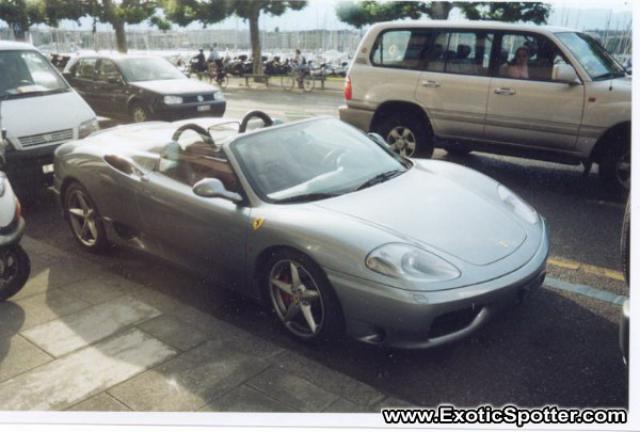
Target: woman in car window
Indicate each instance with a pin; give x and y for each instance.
(519, 67)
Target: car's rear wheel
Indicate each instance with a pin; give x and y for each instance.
(615, 169)
(15, 267)
(407, 134)
(84, 219)
(302, 297)
(139, 113)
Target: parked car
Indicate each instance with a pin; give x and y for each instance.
(292, 214)
(460, 86)
(140, 88)
(39, 112)
(625, 247)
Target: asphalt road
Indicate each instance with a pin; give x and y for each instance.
(556, 348)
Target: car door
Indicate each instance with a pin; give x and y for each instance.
(454, 85)
(209, 234)
(529, 108)
(110, 89)
(84, 80)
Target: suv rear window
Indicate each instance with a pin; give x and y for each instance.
(463, 52)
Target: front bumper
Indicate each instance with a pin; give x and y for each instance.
(24, 167)
(183, 111)
(359, 118)
(624, 331)
(387, 316)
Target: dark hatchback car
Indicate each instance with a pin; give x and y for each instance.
(141, 88)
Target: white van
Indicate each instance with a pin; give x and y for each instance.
(39, 111)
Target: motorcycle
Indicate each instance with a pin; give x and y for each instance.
(15, 265)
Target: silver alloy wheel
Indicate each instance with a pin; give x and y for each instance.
(139, 114)
(402, 140)
(623, 170)
(8, 267)
(82, 217)
(296, 298)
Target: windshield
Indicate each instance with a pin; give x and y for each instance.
(598, 63)
(313, 160)
(27, 73)
(148, 69)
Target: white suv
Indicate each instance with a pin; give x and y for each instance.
(539, 92)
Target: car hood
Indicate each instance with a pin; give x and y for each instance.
(438, 212)
(175, 87)
(18, 114)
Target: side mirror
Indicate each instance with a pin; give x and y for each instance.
(565, 73)
(213, 188)
(114, 80)
(377, 138)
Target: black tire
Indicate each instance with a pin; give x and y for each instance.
(419, 130)
(625, 241)
(457, 151)
(100, 242)
(138, 113)
(15, 275)
(331, 325)
(615, 169)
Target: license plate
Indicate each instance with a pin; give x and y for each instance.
(46, 169)
(204, 108)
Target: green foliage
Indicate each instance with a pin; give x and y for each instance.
(535, 12)
(21, 14)
(359, 14)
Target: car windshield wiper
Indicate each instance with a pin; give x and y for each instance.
(382, 177)
(314, 196)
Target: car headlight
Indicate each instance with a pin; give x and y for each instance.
(172, 100)
(88, 127)
(400, 260)
(517, 205)
(218, 95)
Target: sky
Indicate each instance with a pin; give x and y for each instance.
(580, 14)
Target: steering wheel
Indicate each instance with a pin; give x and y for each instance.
(268, 121)
(197, 129)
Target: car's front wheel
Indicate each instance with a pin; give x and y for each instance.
(139, 113)
(302, 297)
(407, 134)
(84, 219)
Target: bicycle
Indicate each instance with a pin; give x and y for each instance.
(218, 74)
(300, 76)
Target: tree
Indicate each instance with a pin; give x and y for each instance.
(184, 12)
(20, 15)
(124, 12)
(250, 10)
(535, 12)
(368, 12)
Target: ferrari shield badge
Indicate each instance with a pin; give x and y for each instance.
(257, 223)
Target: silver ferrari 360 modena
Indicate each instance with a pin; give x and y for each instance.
(326, 223)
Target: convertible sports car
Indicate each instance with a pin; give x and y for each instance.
(328, 224)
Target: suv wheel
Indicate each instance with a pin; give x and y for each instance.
(408, 135)
(615, 169)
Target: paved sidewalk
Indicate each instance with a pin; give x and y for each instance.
(79, 337)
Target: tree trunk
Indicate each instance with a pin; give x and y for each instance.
(256, 51)
(121, 36)
(440, 10)
(19, 33)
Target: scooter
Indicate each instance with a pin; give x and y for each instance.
(15, 265)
